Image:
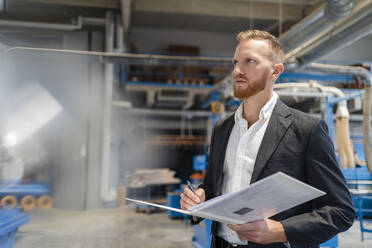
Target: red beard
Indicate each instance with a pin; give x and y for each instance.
(252, 88)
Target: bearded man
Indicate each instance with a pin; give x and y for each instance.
(262, 137)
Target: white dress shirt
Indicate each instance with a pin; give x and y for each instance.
(241, 153)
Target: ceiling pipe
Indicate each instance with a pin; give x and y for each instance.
(321, 19)
(357, 26)
(81, 21)
(362, 72)
(140, 59)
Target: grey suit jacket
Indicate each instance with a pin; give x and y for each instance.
(299, 146)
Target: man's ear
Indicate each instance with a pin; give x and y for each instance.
(278, 69)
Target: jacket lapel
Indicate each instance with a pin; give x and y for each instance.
(276, 128)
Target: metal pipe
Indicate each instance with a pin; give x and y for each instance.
(141, 59)
(92, 21)
(42, 25)
(108, 194)
(120, 47)
(54, 26)
(352, 28)
(321, 19)
(357, 71)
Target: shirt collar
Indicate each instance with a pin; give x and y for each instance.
(265, 112)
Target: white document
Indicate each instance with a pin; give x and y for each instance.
(258, 201)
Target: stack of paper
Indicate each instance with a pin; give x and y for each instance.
(258, 201)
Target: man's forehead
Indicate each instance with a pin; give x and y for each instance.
(253, 47)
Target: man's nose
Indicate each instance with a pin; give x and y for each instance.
(237, 70)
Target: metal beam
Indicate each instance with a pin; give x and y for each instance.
(221, 8)
(139, 59)
(110, 4)
(295, 2)
(156, 60)
(263, 9)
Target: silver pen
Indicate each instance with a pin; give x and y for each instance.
(192, 188)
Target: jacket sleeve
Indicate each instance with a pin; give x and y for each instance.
(331, 213)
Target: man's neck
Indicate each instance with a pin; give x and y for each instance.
(252, 106)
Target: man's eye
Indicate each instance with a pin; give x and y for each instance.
(234, 62)
(251, 60)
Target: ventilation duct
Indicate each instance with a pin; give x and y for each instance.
(321, 19)
(355, 27)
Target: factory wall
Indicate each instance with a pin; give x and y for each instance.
(70, 174)
(83, 168)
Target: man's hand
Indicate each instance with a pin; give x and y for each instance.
(189, 199)
(262, 232)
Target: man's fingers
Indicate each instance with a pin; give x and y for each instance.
(201, 194)
(253, 226)
(187, 200)
(262, 232)
(191, 195)
(185, 205)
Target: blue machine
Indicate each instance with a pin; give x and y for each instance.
(10, 221)
(22, 190)
(202, 238)
(359, 181)
(362, 213)
(199, 162)
(173, 200)
(40, 191)
(332, 243)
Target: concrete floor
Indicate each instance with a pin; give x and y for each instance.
(123, 228)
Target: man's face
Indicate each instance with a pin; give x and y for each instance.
(252, 68)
